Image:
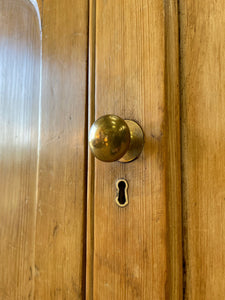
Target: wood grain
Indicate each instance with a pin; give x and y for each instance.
(173, 169)
(91, 160)
(20, 60)
(202, 26)
(61, 211)
(131, 245)
(43, 193)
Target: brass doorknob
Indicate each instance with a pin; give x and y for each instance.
(112, 138)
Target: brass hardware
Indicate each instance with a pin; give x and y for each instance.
(136, 142)
(112, 138)
(121, 192)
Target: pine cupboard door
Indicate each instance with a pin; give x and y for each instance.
(65, 63)
(135, 70)
(43, 92)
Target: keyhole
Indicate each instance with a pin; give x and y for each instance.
(121, 197)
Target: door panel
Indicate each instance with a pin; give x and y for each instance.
(203, 143)
(130, 254)
(61, 211)
(43, 149)
(20, 61)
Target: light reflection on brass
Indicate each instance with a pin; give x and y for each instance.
(112, 138)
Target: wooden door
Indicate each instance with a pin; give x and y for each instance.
(62, 65)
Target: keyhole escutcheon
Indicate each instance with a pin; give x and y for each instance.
(121, 192)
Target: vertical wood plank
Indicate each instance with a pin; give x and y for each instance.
(173, 169)
(20, 60)
(91, 161)
(61, 211)
(202, 45)
(131, 245)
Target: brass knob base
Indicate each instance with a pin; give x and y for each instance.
(114, 139)
(136, 142)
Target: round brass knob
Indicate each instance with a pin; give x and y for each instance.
(112, 138)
